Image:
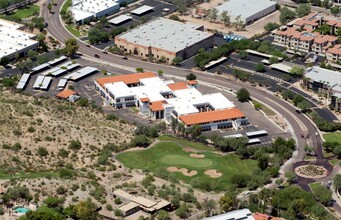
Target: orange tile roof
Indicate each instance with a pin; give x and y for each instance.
(127, 79)
(335, 50)
(211, 116)
(145, 99)
(192, 82)
(157, 106)
(66, 93)
(260, 216)
(177, 86)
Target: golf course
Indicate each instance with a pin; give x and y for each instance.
(188, 161)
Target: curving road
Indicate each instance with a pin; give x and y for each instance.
(299, 122)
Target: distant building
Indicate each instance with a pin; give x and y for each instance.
(13, 40)
(325, 82)
(166, 99)
(242, 214)
(85, 10)
(165, 38)
(249, 10)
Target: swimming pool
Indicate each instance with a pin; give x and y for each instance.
(22, 210)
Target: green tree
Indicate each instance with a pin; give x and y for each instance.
(337, 182)
(316, 2)
(324, 29)
(163, 215)
(42, 151)
(226, 203)
(335, 10)
(303, 10)
(208, 205)
(243, 54)
(243, 95)
(24, 66)
(286, 15)
(32, 54)
(183, 211)
(177, 60)
(260, 67)
(86, 210)
(160, 72)
(238, 23)
(225, 18)
(297, 71)
(273, 60)
(75, 145)
(71, 47)
(4, 61)
(195, 131)
(174, 17)
(290, 175)
(104, 21)
(139, 70)
(49, 7)
(4, 4)
(191, 76)
(271, 26)
(213, 14)
(53, 202)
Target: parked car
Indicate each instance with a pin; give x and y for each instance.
(96, 55)
(125, 58)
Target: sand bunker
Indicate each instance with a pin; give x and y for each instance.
(197, 155)
(213, 173)
(184, 171)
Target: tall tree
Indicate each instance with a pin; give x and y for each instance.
(71, 47)
(243, 95)
(239, 24)
(225, 18)
(303, 10)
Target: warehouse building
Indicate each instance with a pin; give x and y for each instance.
(249, 10)
(85, 10)
(13, 40)
(166, 99)
(165, 38)
(326, 83)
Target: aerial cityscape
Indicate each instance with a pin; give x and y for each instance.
(170, 109)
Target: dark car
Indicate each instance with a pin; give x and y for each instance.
(125, 58)
(105, 52)
(96, 55)
(88, 45)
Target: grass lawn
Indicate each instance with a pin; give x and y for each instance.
(184, 143)
(166, 154)
(66, 5)
(73, 30)
(23, 13)
(333, 137)
(334, 161)
(28, 175)
(309, 158)
(315, 186)
(265, 109)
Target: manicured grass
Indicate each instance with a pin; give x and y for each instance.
(23, 13)
(73, 30)
(334, 161)
(66, 5)
(28, 175)
(185, 161)
(309, 158)
(265, 109)
(314, 186)
(184, 143)
(333, 137)
(166, 154)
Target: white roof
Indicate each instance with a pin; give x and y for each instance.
(83, 9)
(166, 34)
(141, 10)
(62, 83)
(72, 66)
(46, 82)
(40, 67)
(242, 214)
(120, 19)
(244, 8)
(12, 39)
(57, 60)
(281, 67)
(59, 72)
(254, 133)
(253, 141)
(38, 82)
(83, 72)
(23, 81)
(234, 136)
(218, 101)
(129, 206)
(326, 76)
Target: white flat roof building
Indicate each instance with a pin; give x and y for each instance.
(120, 19)
(242, 214)
(13, 40)
(166, 36)
(326, 76)
(249, 10)
(141, 10)
(86, 9)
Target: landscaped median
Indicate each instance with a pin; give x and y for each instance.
(193, 163)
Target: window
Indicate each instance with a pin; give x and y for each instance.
(141, 54)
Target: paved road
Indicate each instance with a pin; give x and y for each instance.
(13, 6)
(299, 123)
(295, 5)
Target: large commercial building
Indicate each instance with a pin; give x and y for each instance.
(166, 99)
(85, 10)
(165, 38)
(325, 82)
(248, 10)
(13, 40)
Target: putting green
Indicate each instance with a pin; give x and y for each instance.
(185, 161)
